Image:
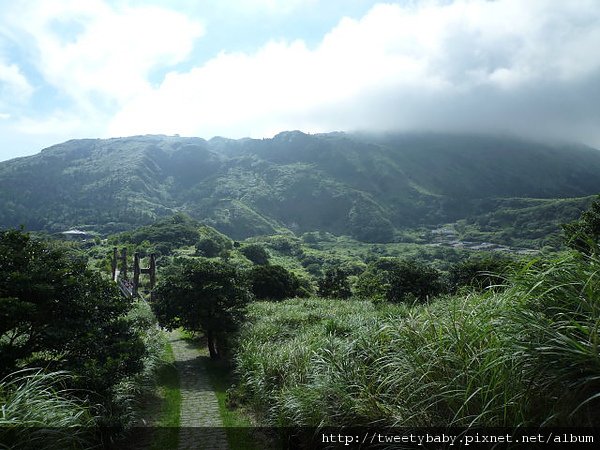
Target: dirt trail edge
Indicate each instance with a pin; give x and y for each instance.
(200, 421)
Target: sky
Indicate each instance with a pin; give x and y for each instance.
(252, 68)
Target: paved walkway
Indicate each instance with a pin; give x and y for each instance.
(200, 421)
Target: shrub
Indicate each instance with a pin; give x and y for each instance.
(255, 253)
(398, 280)
(209, 248)
(273, 282)
(334, 284)
(479, 273)
(584, 234)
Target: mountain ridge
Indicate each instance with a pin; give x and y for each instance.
(364, 185)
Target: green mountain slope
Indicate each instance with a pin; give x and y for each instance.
(363, 185)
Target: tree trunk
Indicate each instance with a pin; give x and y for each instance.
(212, 348)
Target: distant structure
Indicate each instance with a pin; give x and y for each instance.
(75, 235)
(119, 272)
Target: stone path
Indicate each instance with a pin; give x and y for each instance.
(200, 422)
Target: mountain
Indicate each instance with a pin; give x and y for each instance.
(364, 185)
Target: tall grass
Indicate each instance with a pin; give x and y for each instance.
(560, 317)
(525, 356)
(128, 394)
(37, 412)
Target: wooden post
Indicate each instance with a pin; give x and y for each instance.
(114, 264)
(124, 263)
(136, 273)
(152, 271)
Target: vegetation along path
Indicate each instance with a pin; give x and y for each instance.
(200, 421)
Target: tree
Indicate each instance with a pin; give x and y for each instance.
(273, 282)
(478, 273)
(368, 223)
(334, 284)
(255, 253)
(205, 296)
(397, 280)
(209, 248)
(584, 234)
(56, 313)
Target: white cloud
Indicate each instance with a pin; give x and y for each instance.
(97, 53)
(481, 65)
(276, 7)
(396, 67)
(14, 86)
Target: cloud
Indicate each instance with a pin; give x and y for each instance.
(13, 84)
(505, 65)
(97, 53)
(463, 65)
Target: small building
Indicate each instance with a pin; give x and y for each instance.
(75, 235)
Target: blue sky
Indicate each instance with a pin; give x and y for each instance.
(235, 68)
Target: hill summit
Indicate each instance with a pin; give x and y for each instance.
(363, 185)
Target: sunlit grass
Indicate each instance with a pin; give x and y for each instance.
(526, 356)
(168, 415)
(37, 412)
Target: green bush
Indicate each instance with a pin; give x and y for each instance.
(397, 280)
(479, 273)
(209, 248)
(255, 253)
(57, 313)
(584, 234)
(273, 282)
(334, 284)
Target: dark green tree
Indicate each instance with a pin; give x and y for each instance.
(255, 253)
(479, 273)
(204, 296)
(209, 248)
(414, 280)
(273, 282)
(56, 313)
(584, 234)
(397, 280)
(334, 284)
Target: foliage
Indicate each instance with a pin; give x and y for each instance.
(201, 295)
(131, 390)
(559, 315)
(57, 313)
(334, 284)
(209, 248)
(255, 253)
(397, 280)
(479, 273)
(273, 282)
(367, 186)
(167, 234)
(526, 356)
(39, 413)
(584, 234)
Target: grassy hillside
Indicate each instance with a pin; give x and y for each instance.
(523, 357)
(368, 187)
